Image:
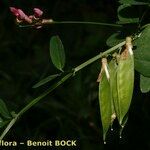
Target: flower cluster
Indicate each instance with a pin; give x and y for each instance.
(22, 17)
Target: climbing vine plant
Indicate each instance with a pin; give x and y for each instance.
(116, 79)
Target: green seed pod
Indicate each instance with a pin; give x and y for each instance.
(124, 121)
(105, 99)
(125, 80)
(113, 88)
(113, 84)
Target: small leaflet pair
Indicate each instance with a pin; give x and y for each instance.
(116, 81)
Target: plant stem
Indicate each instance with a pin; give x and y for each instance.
(50, 21)
(76, 69)
(36, 100)
(88, 62)
(88, 23)
(32, 103)
(12, 122)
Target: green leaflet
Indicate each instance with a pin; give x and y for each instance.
(4, 112)
(105, 103)
(46, 80)
(123, 14)
(115, 39)
(144, 84)
(125, 83)
(1, 122)
(142, 52)
(57, 53)
(134, 2)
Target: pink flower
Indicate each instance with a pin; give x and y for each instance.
(37, 12)
(20, 15)
(14, 11)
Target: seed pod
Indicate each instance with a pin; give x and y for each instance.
(113, 88)
(113, 85)
(125, 80)
(124, 121)
(105, 98)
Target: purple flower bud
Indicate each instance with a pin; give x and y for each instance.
(37, 12)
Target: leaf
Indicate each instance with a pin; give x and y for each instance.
(45, 80)
(144, 84)
(142, 66)
(1, 122)
(114, 39)
(3, 110)
(57, 53)
(142, 53)
(126, 14)
(105, 104)
(134, 2)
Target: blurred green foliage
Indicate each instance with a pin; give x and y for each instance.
(71, 111)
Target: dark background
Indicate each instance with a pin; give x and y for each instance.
(72, 110)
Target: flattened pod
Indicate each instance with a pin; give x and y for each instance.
(113, 84)
(113, 87)
(125, 119)
(105, 100)
(125, 80)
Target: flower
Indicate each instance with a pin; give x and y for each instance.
(37, 12)
(14, 11)
(20, 15)
(33, 19)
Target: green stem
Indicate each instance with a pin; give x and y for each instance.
(32, 103)
(12, 122)
(36, 100)
(50, 21)
(87, 22)
(88, 62)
